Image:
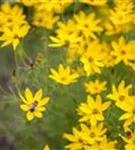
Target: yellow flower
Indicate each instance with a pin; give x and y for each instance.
(109, 60)
(120, 18)
(92, 111)
(123, 51)
(123, 12)
(95, 2)
(46, 147)
(76, 139)
(130, 142)
(88, 25)
(83, 136)
(92, 134)
(129, 115)
(33, 105)
(95, 87)
(14, 35)
(64, 75)
(120, 94)
(11, 15)
(92, 59)
(102, 145)
(38, 18)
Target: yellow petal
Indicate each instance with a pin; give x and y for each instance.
(28, 95)
(44, 101)
(15, 43)
(24, 107)
(38, 95)
(38, 114)
(30, 116)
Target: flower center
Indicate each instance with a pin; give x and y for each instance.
(95, 111)
(90, 59)
(122, 97)
(92, 134)
(63, 78)
(123, 52)
(33, 106)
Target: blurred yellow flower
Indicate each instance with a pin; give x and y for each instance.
(93, 134)
(95, 2)
(120, 94)
(123, 51)
(13, 35)
(102, 145)
(13, 25)
(42, 17)
(88, 25)
(83, 136)
(33, 105)
(95, 87)
(46, 147)
(129, 115)
(64, 75)
(92, 111)
(9, 16)
(92, 59)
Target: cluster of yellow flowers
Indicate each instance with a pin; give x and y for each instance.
(13, 25)
(93, 41)
(46, 12)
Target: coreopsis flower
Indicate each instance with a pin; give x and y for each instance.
(92, 59)
(65, 35)
(120, 94)
(64, 39)
(123, 51)
(129, 115)
(55, 6)
(123, 12)
(109, 60)
(130, 142)
(92, 111)
(13, 26)
(11, 15)
(95, 87)
(93, 134)
(46, 147)
(120, 17)
(64, 75)
(95, 2)
(84, 136)
(14, 35)
(38, 18)
(88, 25)
(33, 105)
(102, 145)
(76, 138)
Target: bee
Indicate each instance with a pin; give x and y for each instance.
(33, 106)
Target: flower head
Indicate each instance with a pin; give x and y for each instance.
(85, 135)
(33, 105)
(46, 147)
(129, 115)
(92, 111)
(64, 75)
(95, 87)
(120, 94)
